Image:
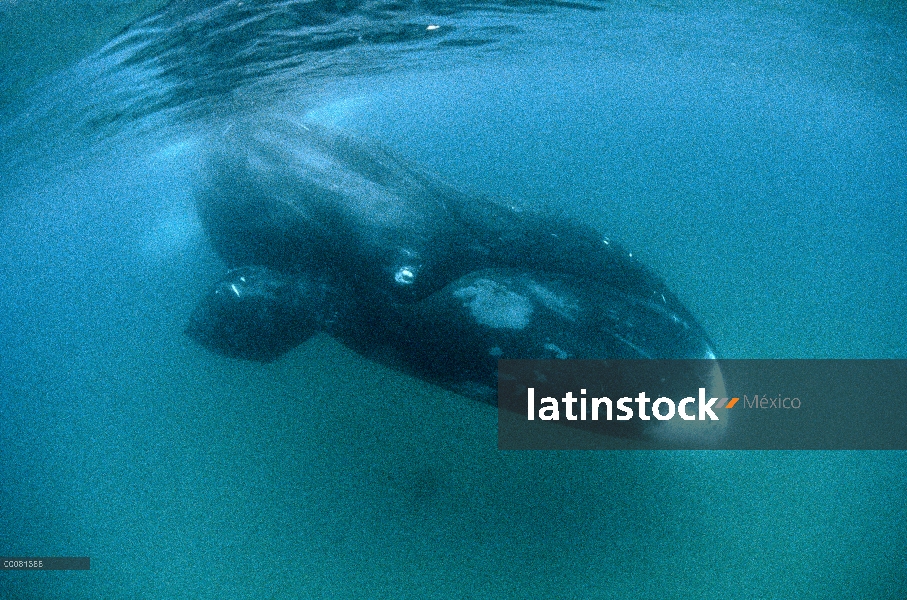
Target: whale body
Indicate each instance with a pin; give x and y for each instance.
(323, 231)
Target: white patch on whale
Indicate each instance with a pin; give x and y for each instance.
(493, 305)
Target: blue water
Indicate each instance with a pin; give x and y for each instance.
(754, 154)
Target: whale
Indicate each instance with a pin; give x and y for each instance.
(324, 231)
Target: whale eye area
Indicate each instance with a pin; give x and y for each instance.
(405, 275)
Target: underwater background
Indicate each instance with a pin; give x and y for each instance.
(753, 153)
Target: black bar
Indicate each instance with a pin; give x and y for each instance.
(44, 563)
